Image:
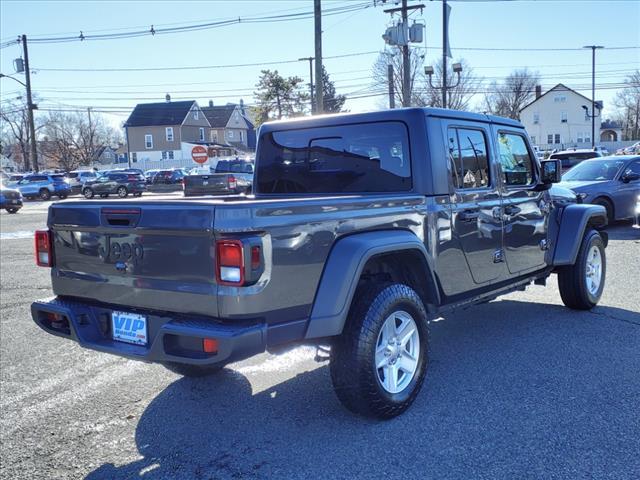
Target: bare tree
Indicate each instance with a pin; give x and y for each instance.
(73, 140)
(506, 99)
(458, 98)
(14, 129)
(380, 76)
(628, 102)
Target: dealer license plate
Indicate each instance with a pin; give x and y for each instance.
(129, 327)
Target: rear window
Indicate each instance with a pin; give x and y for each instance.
(226, 166)
(359, 158)
(57, 178)
(73, 175)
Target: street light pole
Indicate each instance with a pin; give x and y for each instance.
(593, 91)
(310, 60)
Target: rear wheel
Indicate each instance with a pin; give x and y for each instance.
(122, 192)
(608, 206)
(581, 284)
(379, 362)
(44, 194)
(87, 193)
(12, 210)
(192, 370)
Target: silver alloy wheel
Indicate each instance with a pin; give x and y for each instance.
(122, 192)
(397, 352)
(593, 271)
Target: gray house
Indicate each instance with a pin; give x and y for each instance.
(159, 131)
(229, 125)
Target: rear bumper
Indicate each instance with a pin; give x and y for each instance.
(172, 338)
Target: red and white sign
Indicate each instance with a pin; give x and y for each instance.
(199, 154)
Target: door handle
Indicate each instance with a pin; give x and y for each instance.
(512, 210)
(468, 215)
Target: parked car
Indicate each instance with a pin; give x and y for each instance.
(43, 186)
(570, 158)
(602, 150)
(149, 174)
(359, 232)
(117, 183)
(77, 178)
(168, 177)
(10, 199)
(613, 182)
(14, 178)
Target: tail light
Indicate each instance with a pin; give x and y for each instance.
(132, 178)
(44, 252)
(233, 183)
(239, 262)
(230, 262)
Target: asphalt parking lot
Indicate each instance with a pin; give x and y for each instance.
(517, 388)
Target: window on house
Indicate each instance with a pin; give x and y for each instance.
(587, 137)
(214, 136)
(230, 133)
(563, 117)
(468, 156)
(533, 139)
(536, 118)
(134, 157)
(169, 134)
(170, 152)
(241, 136)
(201, 130)
(196, 114)
(580, 138)
(164, 155)
(549, 138)
(557, 138)
(560, 98)
(148, 141)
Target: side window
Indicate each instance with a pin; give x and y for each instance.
(468, 157)
(633, 168)
(515, 161)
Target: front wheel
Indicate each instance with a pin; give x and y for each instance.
(87, 193)
(122, 192)
(45, 194)
(379, 362)
(582, 283)
(12, 210)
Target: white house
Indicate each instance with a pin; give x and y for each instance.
(557, 119)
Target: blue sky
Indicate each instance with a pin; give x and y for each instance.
(474, 24)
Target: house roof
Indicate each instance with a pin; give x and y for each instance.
(561, 87)
(219, 115)
(610, 124)
(161, 113)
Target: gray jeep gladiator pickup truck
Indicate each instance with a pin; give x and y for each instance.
(361, 228)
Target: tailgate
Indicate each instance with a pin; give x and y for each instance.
(202, 184)
(135, 254)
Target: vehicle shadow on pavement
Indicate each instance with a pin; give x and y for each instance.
(623, 230)
(514, 389)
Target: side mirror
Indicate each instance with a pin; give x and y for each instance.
(630, 176)
(550, 171)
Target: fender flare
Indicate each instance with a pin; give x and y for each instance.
(342, 271)
(573, 223)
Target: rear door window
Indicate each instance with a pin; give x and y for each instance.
(357, 158)
(468, 157)
(515, 160)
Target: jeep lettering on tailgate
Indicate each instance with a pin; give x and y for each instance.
(114, 251)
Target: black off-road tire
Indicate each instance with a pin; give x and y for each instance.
(192, 370)
(87, 193)
(353, 371)
(608, 206)
(572, 278)
(12, 210)
(44, 194)
(122, 192)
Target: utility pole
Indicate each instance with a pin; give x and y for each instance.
(406, 67)
(317, 12)
(404, 43)
(392, 93)
(593, 92)
(30, 106)
(310, 60)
